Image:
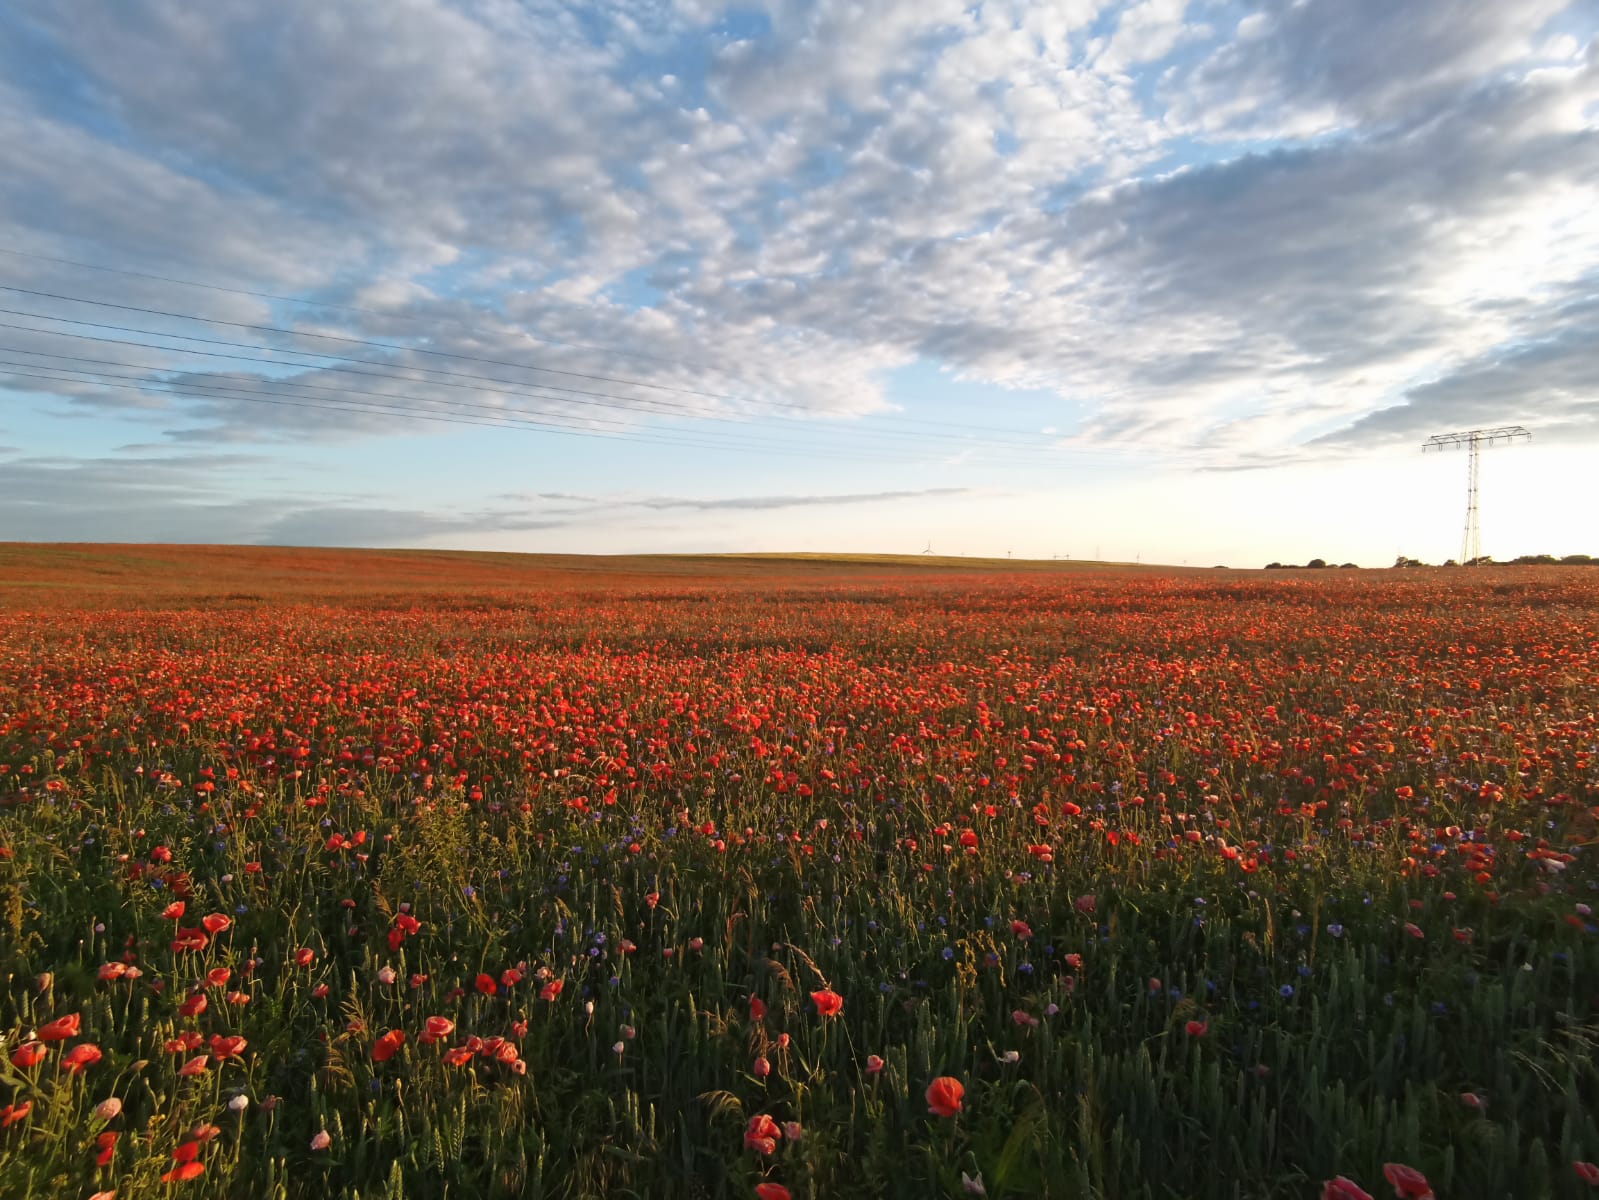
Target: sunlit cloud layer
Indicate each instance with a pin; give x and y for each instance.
(1272, 230)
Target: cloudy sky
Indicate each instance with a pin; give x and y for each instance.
(1184, 280)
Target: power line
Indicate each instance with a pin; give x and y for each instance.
(649, 406)
(371, 312)
(491, 416)
(1474, 440)
(510, 386)
(800, 408)
(219, 388)
(220, 384)
(353, 341)
(466, 326)
(348, 407)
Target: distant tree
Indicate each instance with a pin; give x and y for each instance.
(1317, 563)
(1349, 567)
(1535, 560)
(1274, 566)
(1402, 561)
(1578, 560)
(1449, 562)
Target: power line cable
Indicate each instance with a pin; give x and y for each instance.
(353, 341)
(371, 312)
(629, 404)
(805, 409)
(545, 424)
(246, 395)
(220, 384)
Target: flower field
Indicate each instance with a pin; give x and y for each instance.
(860, 884)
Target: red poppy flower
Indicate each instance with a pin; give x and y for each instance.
(195, 1066)
(84, 1054)
(27, 1055)
(1408, 1183)
(757, 1008)
(944, 1096)
(61, 1028)
(217, 922)
(184, 1172)
(190, 939)
(772, 1191)
(107, 1143)
(194, 1005)
(12, 1113)
(762, 1134)
(1196, 1028)
(1342, 1188)
(828, 1002)
(174, 911)
(486, 985)
(387, 1046)
(1587, 1172)
(552, 989)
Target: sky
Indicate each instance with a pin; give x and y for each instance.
(1183, 281)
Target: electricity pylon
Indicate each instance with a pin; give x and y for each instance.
(1473, 440)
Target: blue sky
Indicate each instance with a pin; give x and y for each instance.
(1183, 280)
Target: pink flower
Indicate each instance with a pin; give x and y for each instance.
(1343, 1189)
(762, 1134)
(1408, 1183)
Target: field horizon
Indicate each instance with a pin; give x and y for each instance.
(431, 874)
(91, 572)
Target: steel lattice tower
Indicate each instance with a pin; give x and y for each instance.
(1473, 440)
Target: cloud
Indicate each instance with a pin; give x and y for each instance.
(761, 503)
(1301, 64)
(145, 497)
(1550, 385)
(1294, 227)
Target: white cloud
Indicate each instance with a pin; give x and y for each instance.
(1247, 239)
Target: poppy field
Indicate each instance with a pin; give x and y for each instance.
(821, 883)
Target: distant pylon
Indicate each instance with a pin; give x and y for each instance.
(1473, 440)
